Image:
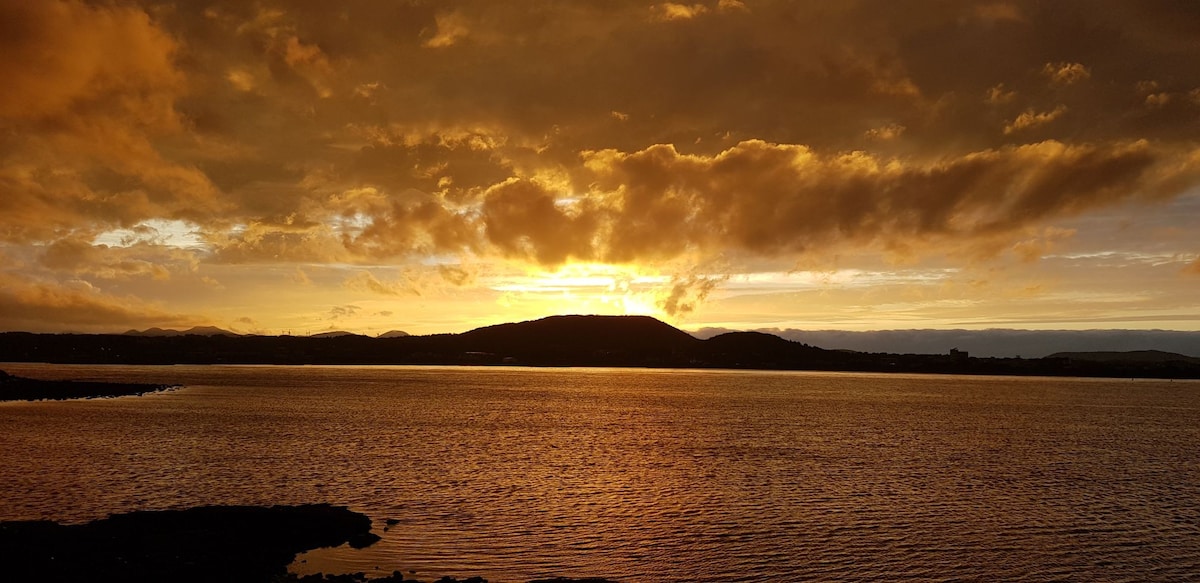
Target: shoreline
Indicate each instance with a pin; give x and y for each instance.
(15, 388)
(236, 544)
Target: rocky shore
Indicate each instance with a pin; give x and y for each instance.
(14, 388)
(211, 544)
(398, 577)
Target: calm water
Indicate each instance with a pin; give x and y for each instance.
(647, 475)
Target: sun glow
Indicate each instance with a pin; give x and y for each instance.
(586, 288)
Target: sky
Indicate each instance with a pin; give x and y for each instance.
(300, 166)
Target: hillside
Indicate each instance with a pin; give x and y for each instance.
(1139, 356)
(601, 341)
(580, 333)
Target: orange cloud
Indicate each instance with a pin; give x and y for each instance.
(40, 306)
(88, 89)
(676, 11)
(1066, 73)
(1031, 119)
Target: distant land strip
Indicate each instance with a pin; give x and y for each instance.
(14, 388)
(599, 341)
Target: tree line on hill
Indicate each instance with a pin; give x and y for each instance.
(624, 341)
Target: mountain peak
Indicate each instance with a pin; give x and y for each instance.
(193, 331)
(578, 332)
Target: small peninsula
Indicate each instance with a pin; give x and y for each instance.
(231, 544)
(14, 388)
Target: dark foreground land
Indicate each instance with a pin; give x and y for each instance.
(14, 388)
(213, 544)
(604, 341)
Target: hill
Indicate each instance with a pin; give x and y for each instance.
(601, 341)
(194, 331)
(334, 334)
(580, 333)
(1131, 356)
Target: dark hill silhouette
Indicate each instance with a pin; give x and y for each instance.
(760, 350)
(1142, 356)
(194, 331)
(557, 341)
(570, 333)
(756, 341)
(335, 334)
(394, 334)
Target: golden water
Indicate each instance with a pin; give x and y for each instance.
(643, 475)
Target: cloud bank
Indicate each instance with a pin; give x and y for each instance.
(367, 133)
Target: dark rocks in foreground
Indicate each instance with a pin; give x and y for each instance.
(14, 388)
(398, 577)
(235, 544)
(210, 544)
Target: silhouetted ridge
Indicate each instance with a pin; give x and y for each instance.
(1142, 356)
(641, 334)
(335, 334)
(626, 341)
(193, 331)
(752, 341)
(759, 350)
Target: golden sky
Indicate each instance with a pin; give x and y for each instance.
(433, 166)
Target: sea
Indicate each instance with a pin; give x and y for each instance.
(645, 475)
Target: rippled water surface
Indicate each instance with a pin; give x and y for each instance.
(642, 475)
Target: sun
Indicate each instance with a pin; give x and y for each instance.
(586, 288)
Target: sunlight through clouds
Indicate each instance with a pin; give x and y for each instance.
(197, 160)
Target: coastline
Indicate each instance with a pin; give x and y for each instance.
(15, 388)
(235, 544)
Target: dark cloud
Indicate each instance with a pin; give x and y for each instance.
(42, 306)
(688, 291)
(369, 132)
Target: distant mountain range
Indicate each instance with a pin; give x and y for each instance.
(214, 331)
(626, 341)
(194, 331)
(335, 334)
(998, 342)
(1144, 356)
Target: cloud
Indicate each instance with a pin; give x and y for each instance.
(70, 58)
(676, 11)
(687, 292)
(1031, 119)
(343, 312)
(410, 134)
(451, 27)
(773, 199)
(299, 277)
(1157, 100)
(366, 281)
(887, 132)
(999, 95)
(38, 306)
(1040, 244)
(88, 91)
(999, 12)
(139, 261)
(1066, 73)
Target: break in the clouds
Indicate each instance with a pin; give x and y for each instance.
(183, 159)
